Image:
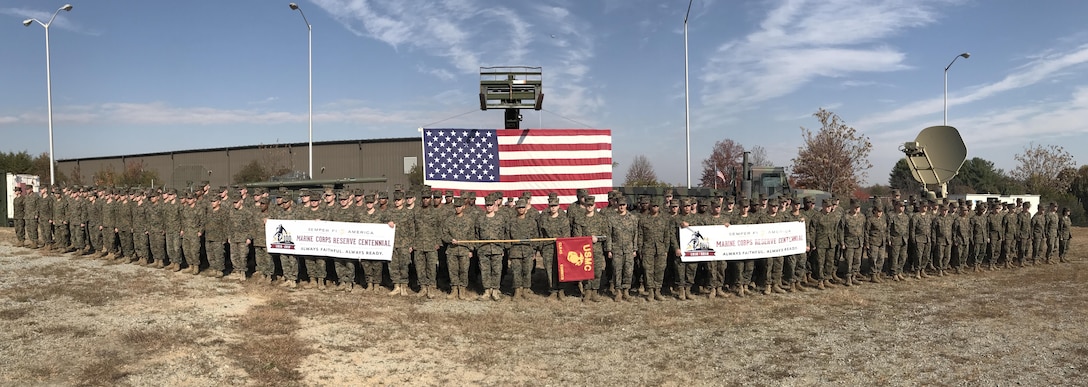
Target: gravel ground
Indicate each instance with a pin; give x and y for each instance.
(67, 320)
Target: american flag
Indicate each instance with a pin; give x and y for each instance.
(516, 160)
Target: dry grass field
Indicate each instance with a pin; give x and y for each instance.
(65, 320)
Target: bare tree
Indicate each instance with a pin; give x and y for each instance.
(1041, 166)
(725, 159)
(834, 159)
(641, 173)
(758, 157)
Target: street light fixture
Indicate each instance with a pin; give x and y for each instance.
(965, 56)
(49, 86)
(310, 55)
(687, 114)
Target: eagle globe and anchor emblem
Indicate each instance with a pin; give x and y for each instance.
(283, 239)
(698, 246)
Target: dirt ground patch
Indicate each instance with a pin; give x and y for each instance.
(66, 320)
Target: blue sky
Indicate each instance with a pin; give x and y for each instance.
(146, 76)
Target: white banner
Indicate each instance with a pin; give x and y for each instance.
(747, 241)
(371, 241)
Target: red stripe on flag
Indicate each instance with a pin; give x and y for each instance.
(553, 147)
(556, 176)
(553, 132)
(555, 162)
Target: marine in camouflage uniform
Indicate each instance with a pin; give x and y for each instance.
(1052, 221)
(30, 215)
(239, 237)
(592, 224)
(108, 226)
(427, 241)
(491, 226)
(898, 236)
(521, 227)
(45, 218)
(124, 217)
(797, 263)
(853, 241)
(826, 234)
(157, 237)
(18, 214)
(61, 234)
(264, 267)
(344, 267)
(624, 234)
(1011, 228)
(742, 269)
(171, 223)
(141, 229)
(921, 232)
(979, 236)
(717, 269)
(552, 224)
(942, 240)
(1065, 234)
(401, 218)
(314, 265)
(1038, 234)
(372, 269)
(193, 217)
(685, 271)
(876, 241)
(996, 232)
(961, 237)
(216, 234)
(1023, 242)
(94, 219)
(772, 270)
(458, 227)
(289, 263)
(78, 221)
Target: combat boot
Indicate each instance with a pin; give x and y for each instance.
(560, 295)
(778, 289)
(712, 294)
(848, 281)
(496, 295)
(454, 292)
(642, 291)
(517, 294)
(800, 287)
(657, 295)
(422, 292)
(395, 291)
(617, 297)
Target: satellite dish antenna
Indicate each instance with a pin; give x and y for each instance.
(935, 157)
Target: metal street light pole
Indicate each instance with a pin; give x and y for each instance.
(310, 61)
(49, 86)
(965, 56)
(687, 112)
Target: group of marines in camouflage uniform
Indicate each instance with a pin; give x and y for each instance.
(218, 232)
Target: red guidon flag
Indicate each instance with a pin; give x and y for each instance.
(575, 257)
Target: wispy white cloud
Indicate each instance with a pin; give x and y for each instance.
(164, 114)
(799, 41)
(461, 31)
(1046, 66)
(466, 35)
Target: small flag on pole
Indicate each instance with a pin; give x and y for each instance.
(721, 175)
(575, 258)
